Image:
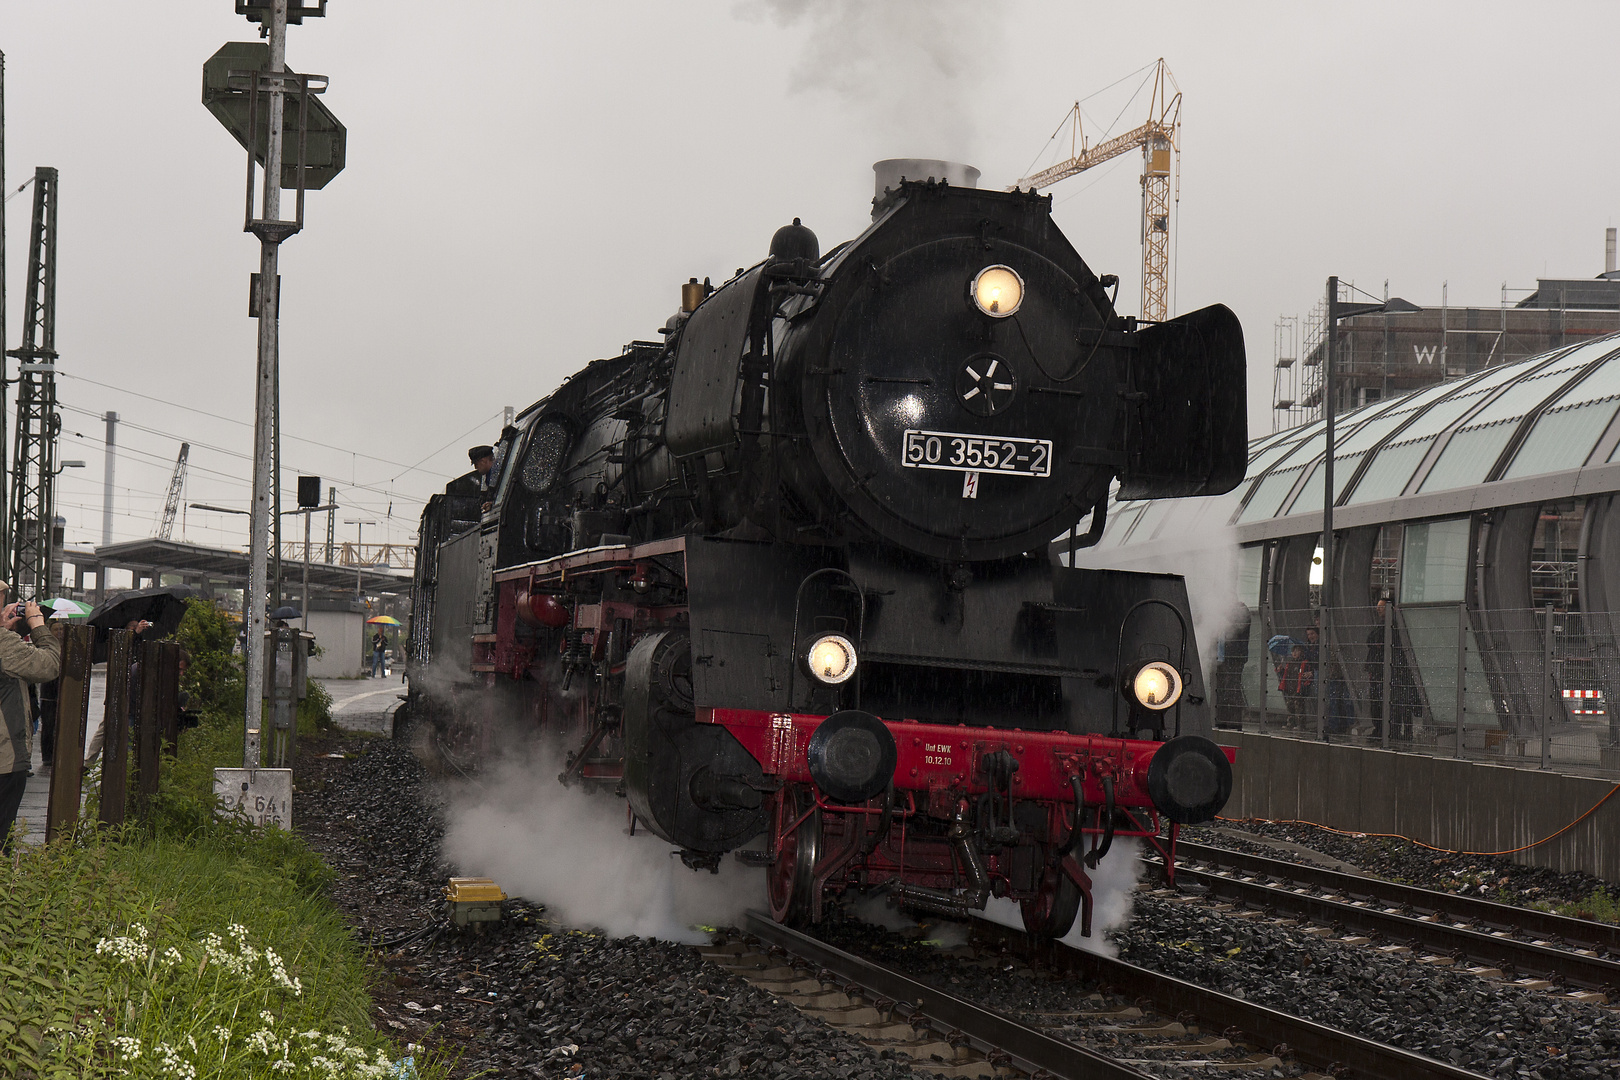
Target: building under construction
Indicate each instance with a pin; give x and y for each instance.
(1406, 347)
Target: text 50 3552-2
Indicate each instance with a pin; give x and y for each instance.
(954, 451)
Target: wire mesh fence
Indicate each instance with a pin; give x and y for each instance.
(1528, 686)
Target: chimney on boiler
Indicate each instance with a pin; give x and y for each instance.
(891, 171)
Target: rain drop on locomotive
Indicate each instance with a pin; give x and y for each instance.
(786, 581)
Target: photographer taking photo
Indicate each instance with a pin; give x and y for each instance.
(34, 658)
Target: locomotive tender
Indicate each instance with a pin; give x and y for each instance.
(786, 580)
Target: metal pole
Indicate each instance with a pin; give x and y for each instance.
(1324, 632)
(331, 522)
(308, 516)
(1389, 669)
(107, 474)
(275, 481)
(1462, 671)
(5, 530)
(1548, 689)
(264, 398)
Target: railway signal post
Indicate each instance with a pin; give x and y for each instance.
(246, 86)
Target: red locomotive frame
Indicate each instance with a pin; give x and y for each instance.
(815, 845)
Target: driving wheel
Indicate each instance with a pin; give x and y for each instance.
(791, 878)
(1050, 913)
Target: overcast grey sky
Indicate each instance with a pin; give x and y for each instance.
(529, 181)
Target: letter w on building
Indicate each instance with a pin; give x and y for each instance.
(1425, 353)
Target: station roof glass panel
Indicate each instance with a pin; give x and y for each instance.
(1390, 471)
(1470, 456)
(1563, 438)
(1269, 494)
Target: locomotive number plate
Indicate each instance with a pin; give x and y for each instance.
(955, 452)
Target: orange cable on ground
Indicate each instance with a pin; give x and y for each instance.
(1419, 843)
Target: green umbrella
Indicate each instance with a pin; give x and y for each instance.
(63, 608)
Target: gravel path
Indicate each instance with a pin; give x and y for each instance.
(526, 997)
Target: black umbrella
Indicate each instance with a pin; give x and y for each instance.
(163, 607)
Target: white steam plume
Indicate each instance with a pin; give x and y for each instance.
(1192, 543)
(1113, 898)
(568, 849)
(1113, 895)
(914, 69)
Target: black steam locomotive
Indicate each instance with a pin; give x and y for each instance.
(786, 580)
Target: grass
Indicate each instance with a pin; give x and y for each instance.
(185, 946)
(1600, 906)
(216, 956)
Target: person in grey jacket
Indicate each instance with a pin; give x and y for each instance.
(36, 658)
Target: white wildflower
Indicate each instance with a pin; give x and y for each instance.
(169, 957)
(171, 1062)
(267, 1016)
(127, 1047)
(282, 1065)
(124, 949)
(222, 1033)
(237, 963)
(278, 972)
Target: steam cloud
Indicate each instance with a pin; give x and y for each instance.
(1113, 895)
(913, 68)
(1190, 545)
(566, 848)
(1113, 892)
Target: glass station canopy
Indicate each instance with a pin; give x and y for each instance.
(1552, 413)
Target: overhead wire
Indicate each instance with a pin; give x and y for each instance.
(387, 492)
(244, 423)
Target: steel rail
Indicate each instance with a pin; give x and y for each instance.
(1029, 1049)
(1543, 924)
(1525, 958)
(1351, 1056)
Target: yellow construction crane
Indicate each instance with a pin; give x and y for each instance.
(1160, 140)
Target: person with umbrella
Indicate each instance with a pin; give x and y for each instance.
(379, 644)
(32, 659)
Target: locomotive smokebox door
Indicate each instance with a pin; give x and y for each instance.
(1186, 408)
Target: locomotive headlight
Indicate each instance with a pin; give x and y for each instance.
(998, 291)
(831, 659)
(1157, 685)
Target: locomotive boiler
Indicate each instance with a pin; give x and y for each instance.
(787, 582)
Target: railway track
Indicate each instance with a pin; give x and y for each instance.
(1128, 1024)
(1533, 949)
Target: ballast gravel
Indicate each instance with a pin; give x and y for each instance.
(1486, 1027)
(526, 997)
(1482, 876)
(1490, 1028)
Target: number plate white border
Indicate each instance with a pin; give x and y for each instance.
(948, 453)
